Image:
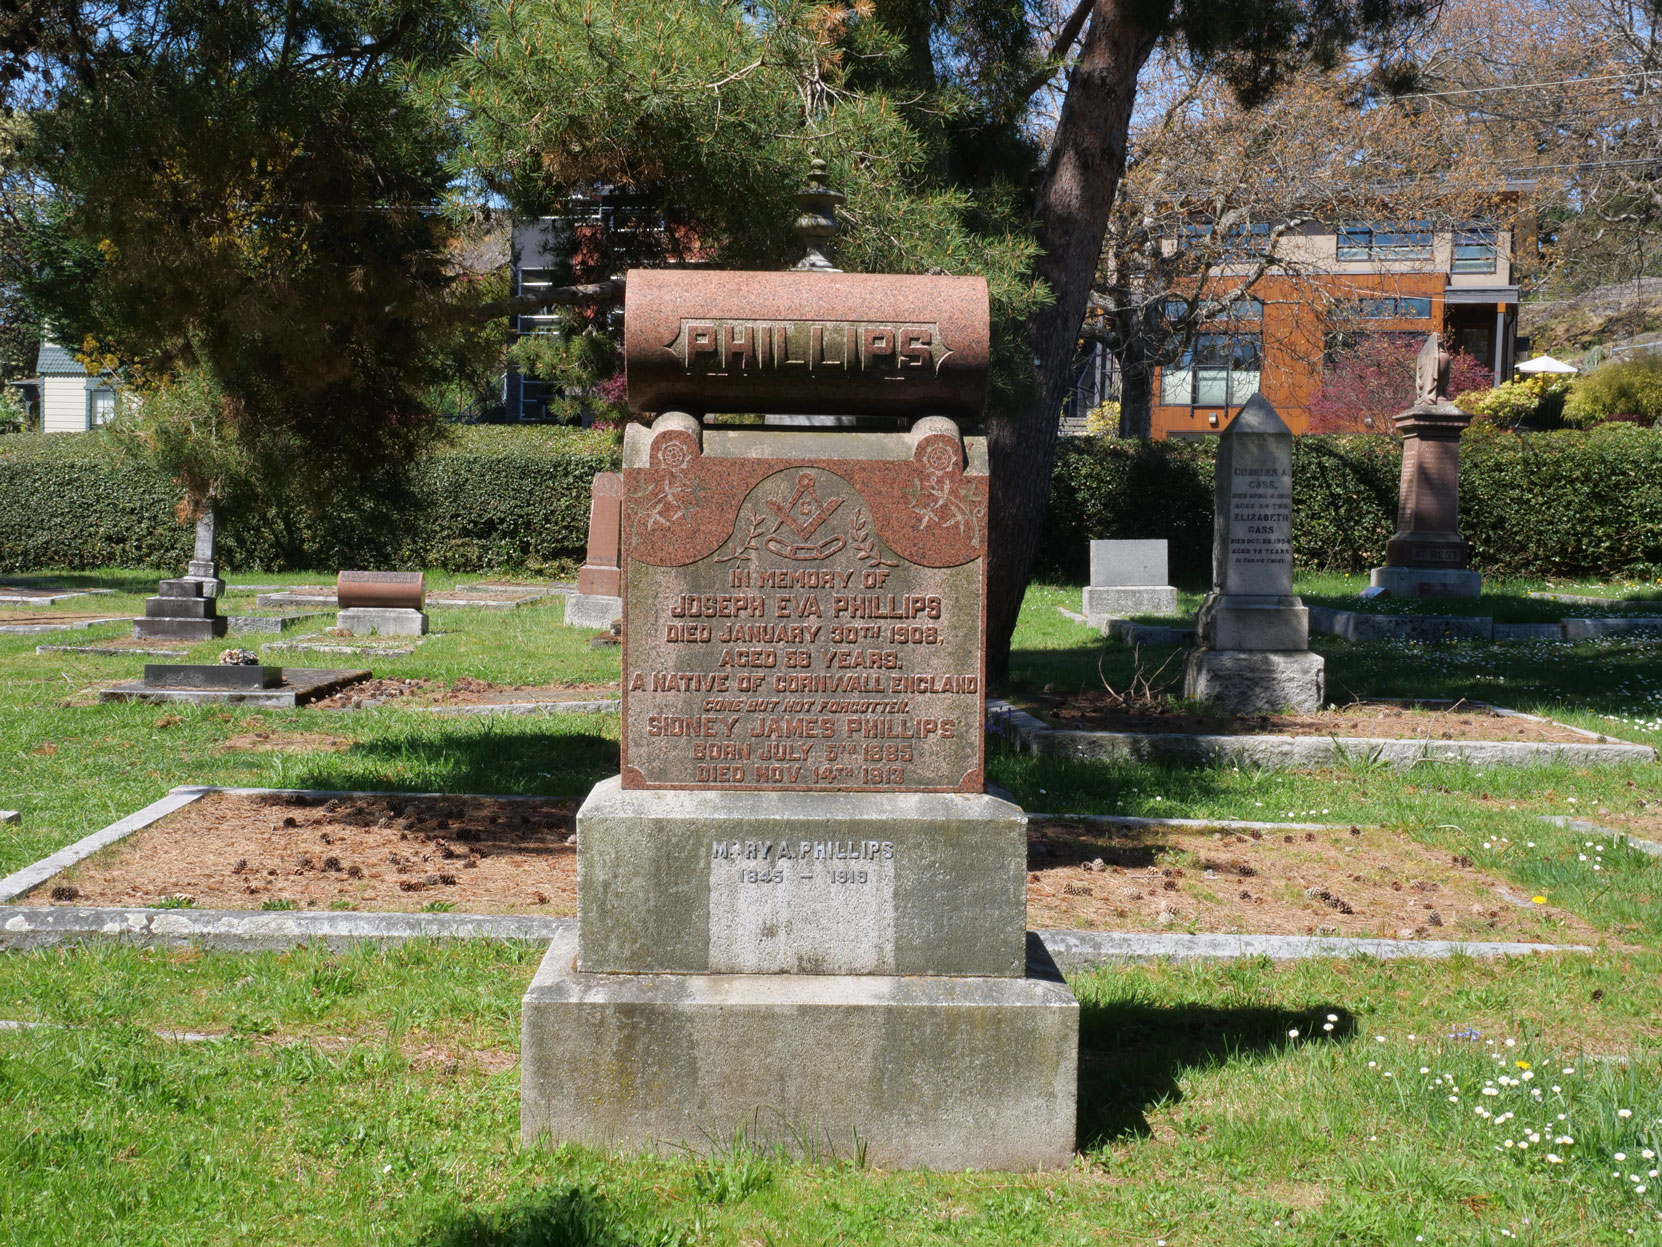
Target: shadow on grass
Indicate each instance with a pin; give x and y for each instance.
(1090, 664)
(1131, 1054)
(512, 759)
(573, 1216)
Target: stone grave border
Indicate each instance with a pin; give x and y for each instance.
(78, 626)
(601, 706)
(108, 651)
(24, 927)
(44, 596)
(1360, 626)
(403, 647)
(1365, 626)
(1033, 735)
(302, 684)
(272, 623)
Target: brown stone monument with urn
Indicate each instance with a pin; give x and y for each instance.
(1428, 557)
(801, 916)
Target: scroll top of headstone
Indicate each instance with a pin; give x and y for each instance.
(382, 590)
(812, 343)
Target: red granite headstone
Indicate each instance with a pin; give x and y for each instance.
(804, 611)
(600, 572)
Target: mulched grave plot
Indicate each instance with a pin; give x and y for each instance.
(465, 691)
(1369, 882)
(480, 855)
(386, 854)
(1098, 712)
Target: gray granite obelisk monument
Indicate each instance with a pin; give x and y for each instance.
(1252, 653)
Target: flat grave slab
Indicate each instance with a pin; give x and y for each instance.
(117, 648)
(542, 588)
(299, 686)
(1368, 626)
(364, 646)
(1389, 732)
(274, 623)
(487, 599)
(27, 623)
(467, 695)
(299, 595)
(43, 595)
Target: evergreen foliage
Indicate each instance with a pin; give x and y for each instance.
(1552, 504)
(242, 217)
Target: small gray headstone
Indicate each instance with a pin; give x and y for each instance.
(1132, 563)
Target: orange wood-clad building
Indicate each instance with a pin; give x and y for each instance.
(1357, 278)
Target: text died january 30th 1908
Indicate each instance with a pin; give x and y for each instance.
(803, 652)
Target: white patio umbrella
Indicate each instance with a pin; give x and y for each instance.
(1546, 363)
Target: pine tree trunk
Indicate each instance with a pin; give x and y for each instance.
(1081, 176)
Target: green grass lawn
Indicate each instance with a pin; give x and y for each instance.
(370, 1096)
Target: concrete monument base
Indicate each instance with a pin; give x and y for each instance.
(1427, 582)
(1238, 621)
(1102, 603)
(801, 882)
(1256, 681)
(383, 621)
(592, 610)
(911, 1072)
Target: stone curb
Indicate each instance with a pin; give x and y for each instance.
(1034, 736)
(301, 685)
(78, 626)
(1650, 847)
(1362, 626)
(526, 707)
(1083, 950)
(1198, 824)
(31, 927)
(28, 926)
(32, 876)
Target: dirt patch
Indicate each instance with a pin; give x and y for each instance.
(1093, 712)
(400, 854)
(465, 691)
(286, 742)
(54, 617)
(1367, 882)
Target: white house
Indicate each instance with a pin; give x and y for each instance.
(68, 399)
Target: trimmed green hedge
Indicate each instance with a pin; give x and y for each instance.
(1546, 504)
(494, 498)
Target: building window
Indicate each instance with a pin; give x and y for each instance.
(535, 281)
(1218, 370)
(1474, 250)
(100, 407)
(1244, 239)
(1377, 243)
(1246, 308)
(1394, 309)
